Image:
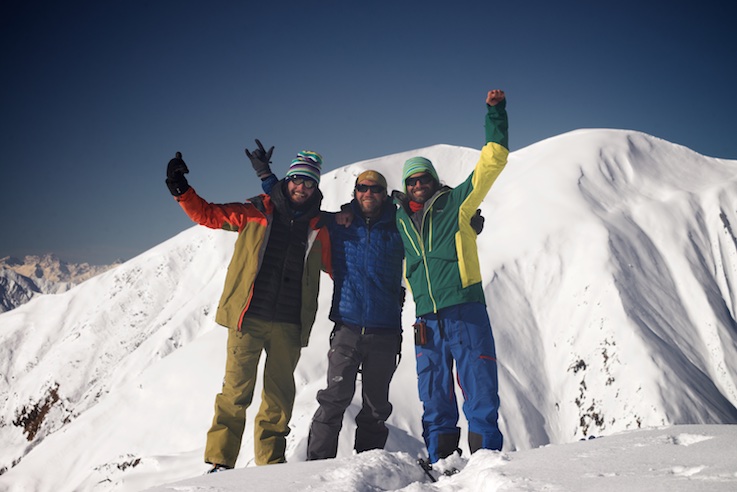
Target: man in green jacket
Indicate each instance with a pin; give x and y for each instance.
(442, 268)
(269, 301)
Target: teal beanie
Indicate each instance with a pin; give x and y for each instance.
(416, 165)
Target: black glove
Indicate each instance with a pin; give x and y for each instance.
(477, 221)
(175, 180)
(260, 160)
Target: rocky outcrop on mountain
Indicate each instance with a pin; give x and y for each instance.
(20, 280)
(15, 289)
(52, 269)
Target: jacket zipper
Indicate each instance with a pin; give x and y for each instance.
(365, 268)
(422, 252)
(286, 257)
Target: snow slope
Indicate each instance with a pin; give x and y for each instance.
(20, 279)
(608, 259)
(15, 289)
(681, 458)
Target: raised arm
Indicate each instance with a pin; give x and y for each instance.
(229, 216)
(497, 126)
(260, 160)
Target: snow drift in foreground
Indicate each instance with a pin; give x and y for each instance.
(680, 458)
(609, 262)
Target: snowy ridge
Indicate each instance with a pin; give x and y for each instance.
(74, 348)
(608, 260)
(20, 280)
(619, 305)
(53, 274)
(15, 289)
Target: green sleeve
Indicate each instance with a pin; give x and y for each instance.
(497, 126)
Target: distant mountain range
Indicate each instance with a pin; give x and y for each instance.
(20, 280)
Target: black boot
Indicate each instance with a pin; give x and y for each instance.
(448, 444)
(475, 441)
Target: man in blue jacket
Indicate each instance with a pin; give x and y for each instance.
(366, 309)
(367, 260)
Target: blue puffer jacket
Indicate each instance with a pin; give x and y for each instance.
(367, 271)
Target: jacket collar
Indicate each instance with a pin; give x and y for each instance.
(401, 199)
(388, 212)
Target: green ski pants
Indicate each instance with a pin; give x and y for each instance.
(281, 342)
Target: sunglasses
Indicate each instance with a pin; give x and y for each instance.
(363, 188)
(308, 183)
(424, 179)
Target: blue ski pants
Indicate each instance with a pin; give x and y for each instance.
(463, 334)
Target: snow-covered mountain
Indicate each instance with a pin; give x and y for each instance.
(15, 289)
(20, 279)
(609, 262)
(52, 269)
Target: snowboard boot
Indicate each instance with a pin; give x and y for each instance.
(218, 468)
(476, 442)
(448, 444)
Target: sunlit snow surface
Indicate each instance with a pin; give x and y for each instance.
(608, 260)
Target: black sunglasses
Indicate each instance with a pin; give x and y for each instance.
(423, 179)
(308, 183)
(374, 188)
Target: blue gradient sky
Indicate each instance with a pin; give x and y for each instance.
(97, 96)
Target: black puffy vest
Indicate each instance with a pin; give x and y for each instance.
(277, 290)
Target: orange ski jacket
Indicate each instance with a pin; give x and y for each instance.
(253, 224)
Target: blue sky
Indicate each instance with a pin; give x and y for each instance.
(98, 96)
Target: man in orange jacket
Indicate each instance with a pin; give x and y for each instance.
(269, 301)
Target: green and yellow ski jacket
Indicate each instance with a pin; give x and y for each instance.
(442, 264)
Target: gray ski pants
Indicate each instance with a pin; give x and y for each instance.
(375, 354)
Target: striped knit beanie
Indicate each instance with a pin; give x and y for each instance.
(307, 164)
(416, 165)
